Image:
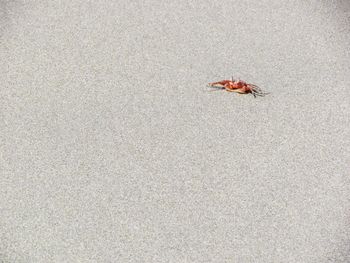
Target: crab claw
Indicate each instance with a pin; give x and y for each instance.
(216, 85)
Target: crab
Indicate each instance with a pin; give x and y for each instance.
(238, 86)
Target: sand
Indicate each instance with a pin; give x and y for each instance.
(113, 149)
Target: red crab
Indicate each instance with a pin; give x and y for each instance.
(238, 86)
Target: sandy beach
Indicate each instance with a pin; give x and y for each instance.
(113, 148)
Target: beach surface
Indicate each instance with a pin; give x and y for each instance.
(113, 148)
